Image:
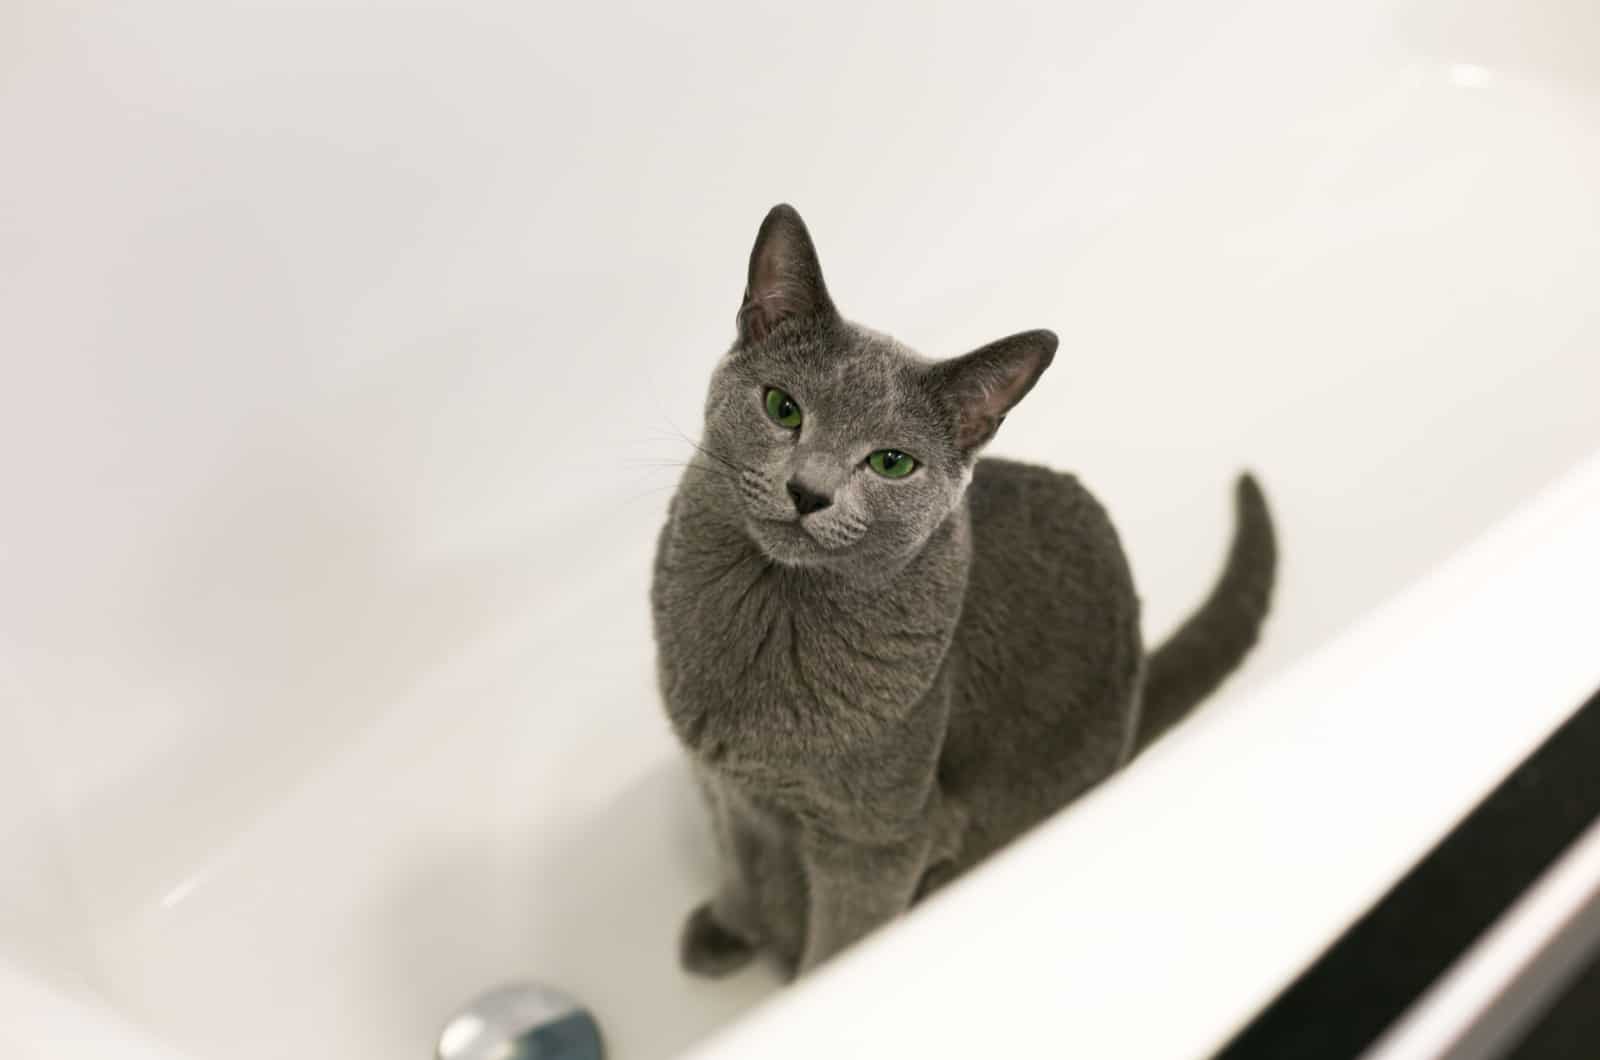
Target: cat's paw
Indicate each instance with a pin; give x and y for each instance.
(707, 948)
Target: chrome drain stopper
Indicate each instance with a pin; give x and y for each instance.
(521, 1021)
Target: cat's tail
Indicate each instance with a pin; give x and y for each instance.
(1216, 638)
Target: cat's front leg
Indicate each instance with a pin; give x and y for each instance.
(856, 887)
(709, 947)
(721, 936)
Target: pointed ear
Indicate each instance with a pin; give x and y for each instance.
(785, 278)
(987, 383)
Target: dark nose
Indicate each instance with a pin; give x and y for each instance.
(806, 499)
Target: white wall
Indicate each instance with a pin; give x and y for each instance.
(327, 331)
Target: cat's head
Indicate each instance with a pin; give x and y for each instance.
(841, 447)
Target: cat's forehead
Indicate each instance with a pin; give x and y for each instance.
(858, 370)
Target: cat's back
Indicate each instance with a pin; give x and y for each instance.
(1049, 647)
(1028, 518)
(1047, 563)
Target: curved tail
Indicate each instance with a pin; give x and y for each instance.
(1215, 639)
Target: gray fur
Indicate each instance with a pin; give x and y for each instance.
(878, 694)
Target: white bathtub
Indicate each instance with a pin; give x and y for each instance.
(338, 345)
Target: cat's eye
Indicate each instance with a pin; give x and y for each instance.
(891, 463)
(782, 409)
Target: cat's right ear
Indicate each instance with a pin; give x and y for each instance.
(785, 280)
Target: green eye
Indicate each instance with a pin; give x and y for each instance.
(782, 409)
(891, 463)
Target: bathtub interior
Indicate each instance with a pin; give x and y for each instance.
(335, 480)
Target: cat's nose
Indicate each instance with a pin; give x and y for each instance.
(807, 500)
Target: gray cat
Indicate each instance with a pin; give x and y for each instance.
(885, 656)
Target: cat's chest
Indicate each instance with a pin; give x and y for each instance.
(760, 671)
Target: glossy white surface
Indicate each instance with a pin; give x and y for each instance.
(338, 342)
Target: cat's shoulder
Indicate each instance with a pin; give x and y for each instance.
(1013, 502)
(1000, 482)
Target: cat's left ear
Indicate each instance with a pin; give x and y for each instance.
(785, 279)
(987, 383)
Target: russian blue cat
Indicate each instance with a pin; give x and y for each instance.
(886, 656)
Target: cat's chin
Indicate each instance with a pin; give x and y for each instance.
(788, 544)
